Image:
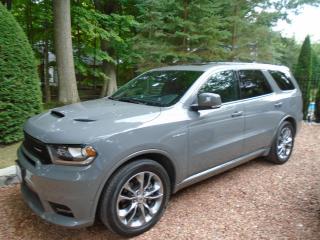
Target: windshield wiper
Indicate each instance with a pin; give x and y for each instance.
(137, 101)
(129, 100)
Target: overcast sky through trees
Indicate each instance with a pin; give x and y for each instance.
(306, 22)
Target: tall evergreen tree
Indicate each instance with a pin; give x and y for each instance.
(317, 110)
(316, 84)
(303, 73)
(179, 31)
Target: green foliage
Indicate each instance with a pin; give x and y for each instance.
(179, 31)
(141, 34)
(317, 103)
(90, 28)
(288, 51)
(36, 19)
(316, 79)
(20, 96)
(303, 72)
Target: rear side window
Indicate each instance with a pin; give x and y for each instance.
(223, 83)
(253, 83)
(284, 81)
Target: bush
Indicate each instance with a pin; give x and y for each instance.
(20, 94)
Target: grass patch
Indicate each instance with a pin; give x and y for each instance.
(8, 154)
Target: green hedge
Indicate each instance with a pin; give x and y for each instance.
(20, 94)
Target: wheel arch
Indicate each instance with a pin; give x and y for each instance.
(291, 120)
(158, 156)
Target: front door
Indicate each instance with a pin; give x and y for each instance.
(216, 135)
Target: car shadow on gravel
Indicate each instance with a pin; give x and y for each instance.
(24, 223)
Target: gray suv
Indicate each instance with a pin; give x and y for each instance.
(121, 157)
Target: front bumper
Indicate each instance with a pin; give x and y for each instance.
(44, 187)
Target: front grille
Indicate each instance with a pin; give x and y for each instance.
(37, 149)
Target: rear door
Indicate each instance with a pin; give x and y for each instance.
(262, 109)
(215, 135)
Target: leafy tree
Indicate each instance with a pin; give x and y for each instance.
(36, 19)
(303, 72)
(105, 36)
(249, 24)
(20, 95)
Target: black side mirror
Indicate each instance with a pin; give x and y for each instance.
(207, 101)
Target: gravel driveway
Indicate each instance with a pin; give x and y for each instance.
(257, 200)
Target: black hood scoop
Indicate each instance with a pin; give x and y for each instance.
(57, 114)
(84, 120)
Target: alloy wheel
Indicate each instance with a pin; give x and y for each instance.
(140, 199)
(285, 143)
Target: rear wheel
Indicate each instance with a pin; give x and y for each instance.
(283, 144)
(135, 198)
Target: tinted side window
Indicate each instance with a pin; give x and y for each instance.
(223, 83)
(284, 82)
(253, 83)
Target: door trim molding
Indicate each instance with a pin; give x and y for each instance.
(219, 169)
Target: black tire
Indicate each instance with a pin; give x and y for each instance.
(273, 154)
(108, 202)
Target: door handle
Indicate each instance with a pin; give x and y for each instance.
(237, 114)
(277, 105)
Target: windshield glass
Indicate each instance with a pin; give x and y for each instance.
(157, 88)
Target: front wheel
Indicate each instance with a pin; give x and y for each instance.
(283, 144)
(135, 198)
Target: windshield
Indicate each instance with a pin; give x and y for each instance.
(157, 88)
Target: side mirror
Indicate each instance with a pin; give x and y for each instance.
(207, 101)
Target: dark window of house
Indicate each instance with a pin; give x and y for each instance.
(253, 83)
(284, 81)
(223, 83)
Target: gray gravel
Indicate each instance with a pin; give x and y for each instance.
(258, 200)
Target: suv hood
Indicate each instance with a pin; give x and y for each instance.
(83, 122)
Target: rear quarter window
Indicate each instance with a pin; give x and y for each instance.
(283, 80)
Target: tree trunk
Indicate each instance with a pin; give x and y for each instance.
(28, 15)
(185, 17)
(109, 69)
(8, 4)
(234, 39)
(68, 91)
(110, 82)
(47, 91)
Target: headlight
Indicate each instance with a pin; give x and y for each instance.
(72, 155)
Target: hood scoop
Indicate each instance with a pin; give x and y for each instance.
(57, 114)
(84, 120)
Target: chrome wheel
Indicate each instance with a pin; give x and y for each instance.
(285, 143)
(140, 199)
